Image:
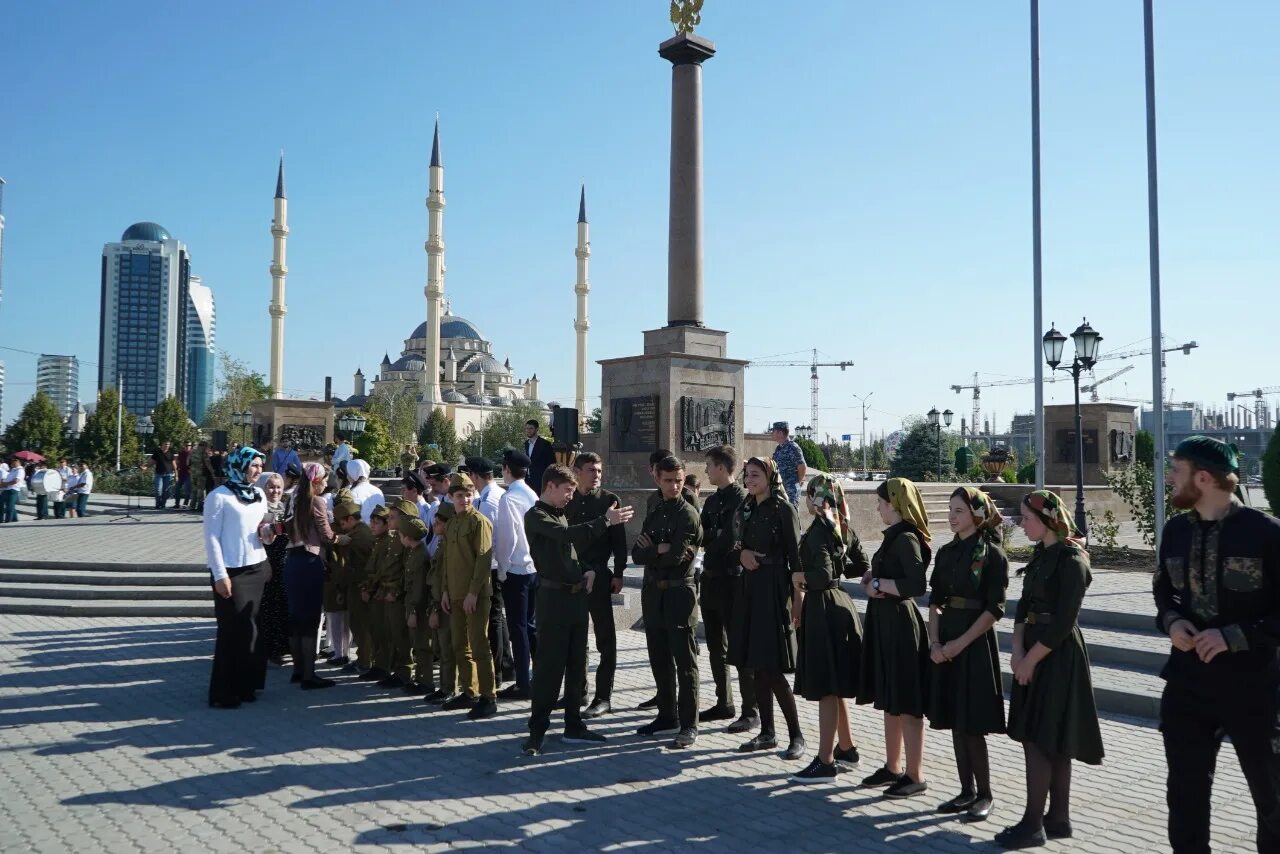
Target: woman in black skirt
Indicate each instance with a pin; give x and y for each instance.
(233, 539)
(895, 646)
(273, 617)
(829, 629)
(762, 637)
(304, 570)
(1051, 706)
(966, 599)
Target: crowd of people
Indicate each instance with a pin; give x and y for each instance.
(68, 499)
(463, 584)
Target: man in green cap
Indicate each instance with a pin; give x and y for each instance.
(355, 557)
(465, 598)
(564, 585)
(1217, 592)
(375, 627)
(391, 597)
(413, 533)
(437, 620)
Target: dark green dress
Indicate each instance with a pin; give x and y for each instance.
(830, 632)
(895, 644)
(1056, 711)
(761, 637)
(966, 694)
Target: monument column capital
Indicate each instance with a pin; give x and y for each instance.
(687, 49)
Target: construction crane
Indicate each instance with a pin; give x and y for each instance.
(1093, 386)
(813, 380)
(978, 386)
(1261, 416)
(1168, 404)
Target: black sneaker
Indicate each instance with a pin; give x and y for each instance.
(717, 713)
(596, 709)
(514, 692)
(847, 758)
(882, 777)
(436, 697)
(1020, 836)
(761, 741)
(647, 705)
(485, 708)
(817, 772)
(340, 661)
(458, 703)
(685, 738)
(795, 749)
(746, 723)
(906, 788)
(390, 682)
(532, 745)
(316, 682)
(582, 736)
(373, 674)
(659, 727)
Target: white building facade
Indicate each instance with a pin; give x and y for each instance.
(59, 378)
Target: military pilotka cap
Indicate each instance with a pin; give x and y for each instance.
(407, 508)
(477, 465)
(344, 509)
(1209, 454)
(414, 528)
(782, 425)
(380, 512)
(445, 513)
(460, 481)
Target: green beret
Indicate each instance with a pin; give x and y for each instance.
(380, 512)
(407, 508)
(446, 512)
(413, 527)
(1209, 454)
(460, 481)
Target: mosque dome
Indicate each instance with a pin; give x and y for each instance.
(485, 363)
(411, 362)
(145, 231)
(451, 326)
(453, 396)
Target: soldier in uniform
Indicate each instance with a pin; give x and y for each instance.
(408, 459)
(437, 621)
(590, 502)
(1217, 592)
(413, 531)
(375, 629)
(722, 590)
(465, 598)
(564, 588)
(198, 463)
(356, 556)
(666, 546)
(391, 600)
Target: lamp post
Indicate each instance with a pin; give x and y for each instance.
(937, 419)
(1086, 341)
(352, 424)
(145, 427)
(863, 400)
(242, 420)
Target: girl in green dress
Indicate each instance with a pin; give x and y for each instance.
(762, 637)
(830, 631)
(1051, 707)
(895, 646)
(966, 599)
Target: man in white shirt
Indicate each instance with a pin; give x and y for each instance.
(489, 494)
(515, 569)
(60, 497)
(84, 487)
(363, 492)
(341, 454)
(10, 488)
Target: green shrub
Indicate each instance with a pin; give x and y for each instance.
(125, 482)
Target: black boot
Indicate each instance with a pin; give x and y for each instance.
(309, 679)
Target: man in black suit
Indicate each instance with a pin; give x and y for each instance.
(539, 452)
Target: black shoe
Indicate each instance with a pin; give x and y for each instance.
(959, 803)
(391, 682)
(1020, 836)
(882, 777)
(486, 708)
(1057, 829)
(659, 727)
(717, 713)
(532, 745)
(981, 808)
(816, 772)
(414, 688)
(316, 682)
(296, 677)
(906, 788)
(582, 735)
(439, 702)
(458, 703)
(649, 704)
(746, 723)
(350, 667)
(596, 709)
(846, 759)
(340, 661)
(515, 692)
(373, 674)
(436, 697)
(685, 738)
(761, 741)
(795, 749)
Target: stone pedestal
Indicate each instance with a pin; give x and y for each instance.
(308, 424)
(1109, 430)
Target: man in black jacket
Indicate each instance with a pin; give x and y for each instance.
(539, 452)
(1217, 592)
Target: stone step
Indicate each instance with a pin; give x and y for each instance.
(100, 566)
(1116, 690)
(1136, 650)
(167, 593)
(105, 608)
(104, 577)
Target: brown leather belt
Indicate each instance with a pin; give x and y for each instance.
(560, 585)
(962, 603)
(1038, 619)
(833, 584)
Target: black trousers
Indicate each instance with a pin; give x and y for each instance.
(670, 622)
(720, 595)
(1194, 717)
(239, 659)
(499, 636)
(561, 657)
(600, 604)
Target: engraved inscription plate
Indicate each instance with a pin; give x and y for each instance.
(705, 423)
(633, 423)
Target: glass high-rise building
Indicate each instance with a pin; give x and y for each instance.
(201, 326)
(59, 378)
(144, 317)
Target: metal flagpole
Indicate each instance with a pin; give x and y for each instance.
(1036, 268)
(1153, 229)
(119, 415)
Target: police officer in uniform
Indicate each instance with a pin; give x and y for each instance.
(1217, 592)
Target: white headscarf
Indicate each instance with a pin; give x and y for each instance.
(356, 470)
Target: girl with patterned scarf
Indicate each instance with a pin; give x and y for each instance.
(1051, 706)
(829, 628)
(895, 646)
(966, 599)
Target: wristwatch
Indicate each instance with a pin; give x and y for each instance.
(875, 584)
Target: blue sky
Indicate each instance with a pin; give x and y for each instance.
(867, 183)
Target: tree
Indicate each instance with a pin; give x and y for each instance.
(38, 428)
(374, 444)
(595, 421)
(1144, 447)
(1136, 486)
(813, 456)
(97, 442)
(1271, 472)
(875, 453)
(172, 423)
(504, 429)
(917, 456)
(837, 454)
(397, 405)
(438, 430)
(237, 388)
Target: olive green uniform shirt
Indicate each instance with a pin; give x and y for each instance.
(468, 549)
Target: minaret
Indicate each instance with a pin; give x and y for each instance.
(279, 271)
(435, 279)
(358, 385)
(582, 288)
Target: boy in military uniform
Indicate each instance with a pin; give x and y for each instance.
(1217, 592)
(413, 532)
(671, 535)
(465, 598)
(391, 601)
(590, 502)
(564, 587)
(721, 590)
(355, 559)
(375, 625)
(438, 622)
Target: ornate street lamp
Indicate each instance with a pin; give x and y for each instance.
(1087, 341)
(938, 419)
(352, 423)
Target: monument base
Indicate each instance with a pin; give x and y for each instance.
(683, 395)
(307, 424)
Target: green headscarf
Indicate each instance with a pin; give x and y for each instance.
(990, 526)
(1048, 508)
(905, 498)
(826, 492)
(776, 490)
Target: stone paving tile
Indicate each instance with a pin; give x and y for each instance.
(108, 745)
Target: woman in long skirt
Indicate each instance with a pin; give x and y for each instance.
(830, 631)
(309, 533)
(233, 539)
(1051, 707)
(273, 619)
(895, 647)
(966, 600)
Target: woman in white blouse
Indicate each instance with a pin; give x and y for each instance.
(234, 534)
